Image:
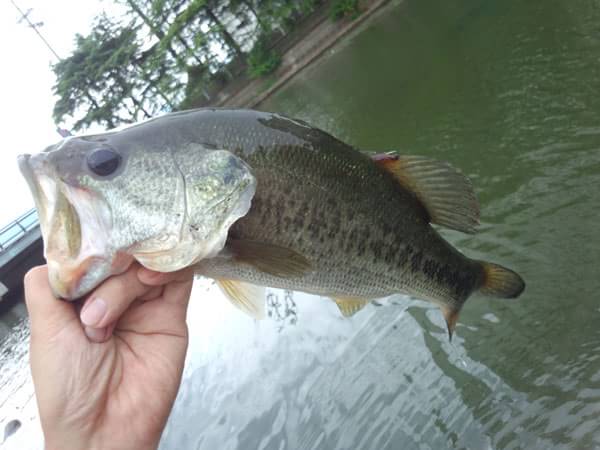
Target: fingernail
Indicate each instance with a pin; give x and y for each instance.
(95, 334)
(93, 312)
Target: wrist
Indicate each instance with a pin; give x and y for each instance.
(73, 443)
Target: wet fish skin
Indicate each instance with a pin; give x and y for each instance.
(168, 203)
(365, 235)
(324, 218)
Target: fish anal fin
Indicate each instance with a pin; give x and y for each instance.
(349, 306)
(245, 296)
(272, 259)
(443, 190)
(451, 318)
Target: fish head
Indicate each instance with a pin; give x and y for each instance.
(106, 200)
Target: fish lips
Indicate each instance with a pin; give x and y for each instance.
(73, 223)
(40, 196)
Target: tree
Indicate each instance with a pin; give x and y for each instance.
(137, 8)
(210, 9)
(169, 54)
(98, 80)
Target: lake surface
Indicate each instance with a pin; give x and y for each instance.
(506, 90)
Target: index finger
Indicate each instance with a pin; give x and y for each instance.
(110, 300)
(154, 278)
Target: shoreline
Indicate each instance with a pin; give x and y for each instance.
(322, 37)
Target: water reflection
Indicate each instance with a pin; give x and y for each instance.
(506, 90)
(11, 428)
(18, 410)
(283, 311)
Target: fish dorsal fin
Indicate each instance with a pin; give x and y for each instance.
(272, 259)
(247, 297)
(349, 306)
(443, 190)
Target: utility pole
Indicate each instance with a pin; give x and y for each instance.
(34, 27)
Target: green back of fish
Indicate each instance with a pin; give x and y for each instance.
(363, 233)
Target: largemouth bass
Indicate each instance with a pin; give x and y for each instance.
(255, 199)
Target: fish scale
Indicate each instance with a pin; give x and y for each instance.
(371, 213)
(375, 214)
(257, 199)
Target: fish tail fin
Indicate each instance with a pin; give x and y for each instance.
(500, 282)
(496, 281)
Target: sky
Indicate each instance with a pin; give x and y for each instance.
(26, 81)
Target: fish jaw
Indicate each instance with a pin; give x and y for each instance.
(43, 198)
(75, 226)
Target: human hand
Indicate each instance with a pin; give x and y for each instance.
(112, 383)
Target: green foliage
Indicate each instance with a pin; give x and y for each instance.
(183, 19)
(195, 88)
(262, 60)
(97, 76)
(158, 6)
(344, 8)
(169, 54)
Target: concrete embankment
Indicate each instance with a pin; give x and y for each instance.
(317, 36)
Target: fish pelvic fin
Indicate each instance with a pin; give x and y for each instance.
(500, 282)
(245, 296)
(446, 194)
(349, 306)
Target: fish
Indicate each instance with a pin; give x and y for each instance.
(255, 199)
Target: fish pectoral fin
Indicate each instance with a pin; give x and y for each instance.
(445, 192)
(245, 296)
(349, 306)
(268, 258)
(451, 318)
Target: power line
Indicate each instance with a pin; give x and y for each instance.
(24, 16)
(34, 26)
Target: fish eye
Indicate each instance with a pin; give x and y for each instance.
(103, 161)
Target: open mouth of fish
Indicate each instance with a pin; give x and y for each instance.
(81, 247)
(73, 222)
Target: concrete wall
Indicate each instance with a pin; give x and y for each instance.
(14, 264)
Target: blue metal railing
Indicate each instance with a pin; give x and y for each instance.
(18, 228)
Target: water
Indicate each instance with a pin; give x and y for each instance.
(507, 91)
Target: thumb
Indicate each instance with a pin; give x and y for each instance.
(47, 314)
